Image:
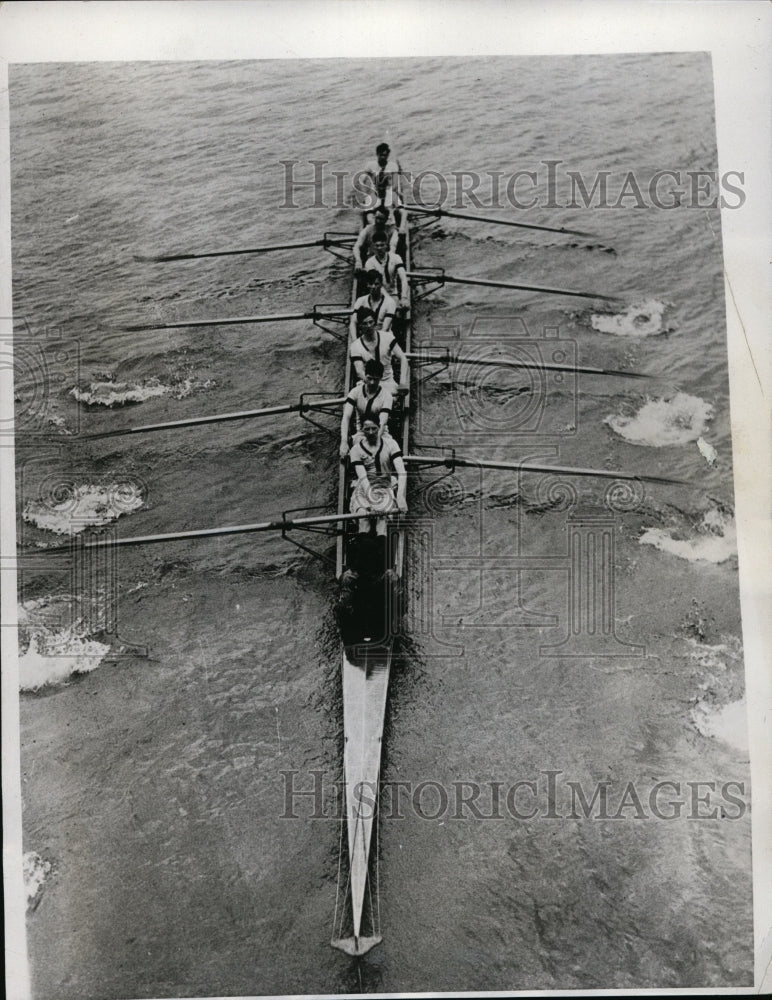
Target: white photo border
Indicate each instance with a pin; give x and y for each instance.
(738, 37)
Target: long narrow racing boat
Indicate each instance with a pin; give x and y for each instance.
(366, 665)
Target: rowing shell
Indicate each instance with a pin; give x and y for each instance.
(366, 670)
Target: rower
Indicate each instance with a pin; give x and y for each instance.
(380, 226)
(377, 301)
(374, 344)
(392, 270)
(377, 461)
(366, 399)
(383, 177)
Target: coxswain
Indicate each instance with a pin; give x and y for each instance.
(375, 344)
(362, 609)
(377, 301)
(392, 270)
(377, 461)
(380, 226)
(383, 177)
(366, 399)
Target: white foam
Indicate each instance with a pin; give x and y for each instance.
(715, 542)
(641, 319)
(111, 393)
(728, 723)
(35, 871)
(664, 422)
(83, 507)
(53, 657)
(715, 658)
(708, 452)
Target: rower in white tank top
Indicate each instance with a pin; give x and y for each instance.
(375, 344)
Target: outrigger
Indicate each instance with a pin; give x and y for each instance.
(368, 653)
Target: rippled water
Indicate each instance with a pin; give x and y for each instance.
(153, 785)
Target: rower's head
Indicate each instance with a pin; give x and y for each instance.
(370, 429)
(366, 321)
(380, 245)
(375, 283)
(373, 374)
(382, 153)
(381, 217)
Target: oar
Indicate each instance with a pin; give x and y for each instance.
(236, 529)
(323, 241)
(443, 212)
(451, 461)
(449, 279)
(456, 359)
(234, 320)
(217, 418)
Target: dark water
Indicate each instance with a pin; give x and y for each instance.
(154, 785)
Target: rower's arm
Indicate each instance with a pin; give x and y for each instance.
(359, 369)
(404, 287)
(345, 422)
(399, 468)
(352, 328)
(358, 247)
(386, 323)
(404, 370)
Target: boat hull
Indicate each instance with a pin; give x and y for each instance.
(366, 667)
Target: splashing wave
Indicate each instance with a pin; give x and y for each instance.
(641, 319)
(664, 422)
(35, 871)
(84, 507)
(715, 541)
(108, 392)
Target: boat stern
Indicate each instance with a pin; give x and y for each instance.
(356, 946)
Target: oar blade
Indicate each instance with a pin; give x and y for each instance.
(181, 536)
(319, 405)
(452, 461)
(441, 213)
(451, 279)
(448, 358)
(155, 258)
